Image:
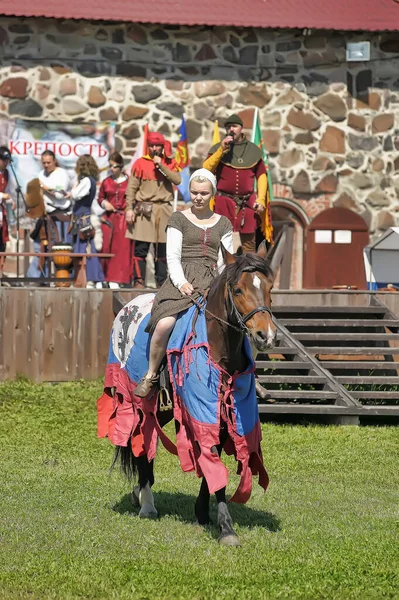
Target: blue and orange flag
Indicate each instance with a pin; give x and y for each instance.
(183, 161)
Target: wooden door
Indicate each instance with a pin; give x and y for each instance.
(336, 239)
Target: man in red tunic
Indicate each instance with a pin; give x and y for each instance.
(149, 204)
(5, 157)
(237, 164)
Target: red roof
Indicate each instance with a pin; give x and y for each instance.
(371, 15)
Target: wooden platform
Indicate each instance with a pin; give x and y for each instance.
(337, 354)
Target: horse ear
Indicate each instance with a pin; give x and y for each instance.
(262, 250)
(227, 257)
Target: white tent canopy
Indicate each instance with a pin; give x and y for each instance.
(381, 260)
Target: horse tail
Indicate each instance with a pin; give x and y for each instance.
(127, 461)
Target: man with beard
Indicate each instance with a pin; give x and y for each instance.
(237, 164)
(149, 204)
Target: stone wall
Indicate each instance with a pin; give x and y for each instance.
(331, 127)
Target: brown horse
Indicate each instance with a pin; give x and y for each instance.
(238, 305)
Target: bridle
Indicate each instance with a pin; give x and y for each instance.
(241, 320)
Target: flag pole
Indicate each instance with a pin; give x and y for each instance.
(256, 112)
(175, 195)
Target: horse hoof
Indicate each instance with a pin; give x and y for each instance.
(135, 496)
(148, 512)
(229, 540)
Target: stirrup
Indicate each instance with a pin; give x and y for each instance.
(165, 402)
(145, 386)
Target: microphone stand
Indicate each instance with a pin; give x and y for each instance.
(20, 194)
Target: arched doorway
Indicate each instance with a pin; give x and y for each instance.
(336, 239)
(290, 222)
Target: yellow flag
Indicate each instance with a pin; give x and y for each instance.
(216, 134)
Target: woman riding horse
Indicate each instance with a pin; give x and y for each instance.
(238, 304)
(193, 254)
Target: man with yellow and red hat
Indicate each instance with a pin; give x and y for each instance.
(238, 164)
(149, 204)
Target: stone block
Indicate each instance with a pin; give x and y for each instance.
(301, 183)
(304, 138)
(328, 184)
(203, 89)
(194, 130)
(174, 109)
(289, 158)
(206, 52)
(378, 165)
(382, 123)
(131, 132)
(303, 120)
(378, 198)
(25, 108)
(333, 141)
(137, 34)
(346, 201)
(248, 55)
(289, 98)
(95, 97)
(202, 110)
(374, 100)
(356, 122)
(254, 95)
(145, 93)
(361, 181)
(365, 143)
(271, 139)
(73, 106)
(67, 86)
(132, 112)
(108, 114)
(332, 105)
(14, 87)
(385, 220)
(271, 119)
(323, 163)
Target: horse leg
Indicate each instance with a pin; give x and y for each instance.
(228, 536)
(202, 504)
(146, 480)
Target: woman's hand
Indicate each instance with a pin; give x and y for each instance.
(186, 289)
(108, 206)
(130, 217)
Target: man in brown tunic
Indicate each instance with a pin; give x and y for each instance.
(149, 204)
(237, 164)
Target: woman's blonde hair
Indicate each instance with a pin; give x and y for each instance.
(86, 166)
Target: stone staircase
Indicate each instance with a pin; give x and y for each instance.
(333, 360)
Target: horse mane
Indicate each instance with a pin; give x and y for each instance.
(245, 262)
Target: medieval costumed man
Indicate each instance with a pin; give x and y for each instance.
(238, 164)
(149, 204)
(5, 198)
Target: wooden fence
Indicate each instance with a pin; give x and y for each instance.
(62, 334)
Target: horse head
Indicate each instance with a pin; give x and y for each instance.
(249, 282)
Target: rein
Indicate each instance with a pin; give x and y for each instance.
(241, 320)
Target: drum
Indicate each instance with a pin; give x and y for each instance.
(62, 263)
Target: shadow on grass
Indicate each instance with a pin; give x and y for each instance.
(182, 506)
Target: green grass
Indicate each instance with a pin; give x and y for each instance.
(326, 528)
